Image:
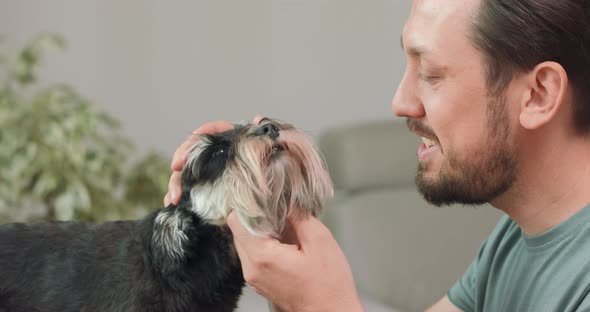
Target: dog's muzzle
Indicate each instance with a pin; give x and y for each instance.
(268, 129)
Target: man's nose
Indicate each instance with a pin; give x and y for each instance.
(268, 129)
(406, 102)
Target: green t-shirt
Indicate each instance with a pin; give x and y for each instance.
(515, 272)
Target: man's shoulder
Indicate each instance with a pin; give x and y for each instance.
(510, 270)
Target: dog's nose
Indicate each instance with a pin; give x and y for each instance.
(268, 129)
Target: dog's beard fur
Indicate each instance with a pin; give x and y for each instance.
(181, 257)
(264, 179)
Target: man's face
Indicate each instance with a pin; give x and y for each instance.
(469, 152)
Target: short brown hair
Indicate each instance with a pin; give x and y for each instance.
(515, 36)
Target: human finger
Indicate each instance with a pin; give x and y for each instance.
(257, 119)
(208, 128)
(253, 244)
(174, 188)
(167, 200)
(310, 232)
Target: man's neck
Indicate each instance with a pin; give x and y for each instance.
(553, 187)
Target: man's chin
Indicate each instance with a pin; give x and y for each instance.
(446, 193)
(443, 191)
(429, 169)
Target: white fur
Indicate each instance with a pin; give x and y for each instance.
(210, 202)
(264, 190)
(172, 237)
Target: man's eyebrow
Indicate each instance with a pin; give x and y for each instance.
(416, 51)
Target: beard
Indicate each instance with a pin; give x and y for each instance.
(480, 177)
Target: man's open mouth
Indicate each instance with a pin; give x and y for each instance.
(428, 142)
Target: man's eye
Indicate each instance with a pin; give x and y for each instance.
(428, 78)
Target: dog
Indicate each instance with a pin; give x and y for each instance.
(178, 258)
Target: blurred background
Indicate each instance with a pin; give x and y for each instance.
(161, 68)
(165, 67)
(95, 96)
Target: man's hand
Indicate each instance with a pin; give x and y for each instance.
(310, 275)
(179, 158)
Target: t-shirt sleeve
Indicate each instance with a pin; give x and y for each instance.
(467, 292)
(462, 294)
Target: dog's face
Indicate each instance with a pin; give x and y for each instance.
(263, 171)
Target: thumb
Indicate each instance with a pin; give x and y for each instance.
(310, 232)
(243, 237)
(251, 243)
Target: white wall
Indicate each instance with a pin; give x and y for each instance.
(165, 67)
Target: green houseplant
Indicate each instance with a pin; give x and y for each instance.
(60, 154)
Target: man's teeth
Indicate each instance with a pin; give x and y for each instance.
(428, 142)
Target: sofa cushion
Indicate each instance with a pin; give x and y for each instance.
(403, 251)
(370, 155)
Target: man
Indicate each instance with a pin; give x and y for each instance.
(499, 91)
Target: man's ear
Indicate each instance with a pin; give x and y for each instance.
(546, 87)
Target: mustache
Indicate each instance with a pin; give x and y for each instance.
(417, 127)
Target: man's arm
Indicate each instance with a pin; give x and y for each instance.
(444, 305)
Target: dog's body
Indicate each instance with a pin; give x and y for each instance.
(116, 266)
(180, 258)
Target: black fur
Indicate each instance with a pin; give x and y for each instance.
(213, 160)
(115, 266)
(118, 266)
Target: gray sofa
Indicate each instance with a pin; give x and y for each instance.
(404, 253)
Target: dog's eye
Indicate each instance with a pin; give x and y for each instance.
(219, 152)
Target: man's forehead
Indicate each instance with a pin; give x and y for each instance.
(440, 5)
(432, 20)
